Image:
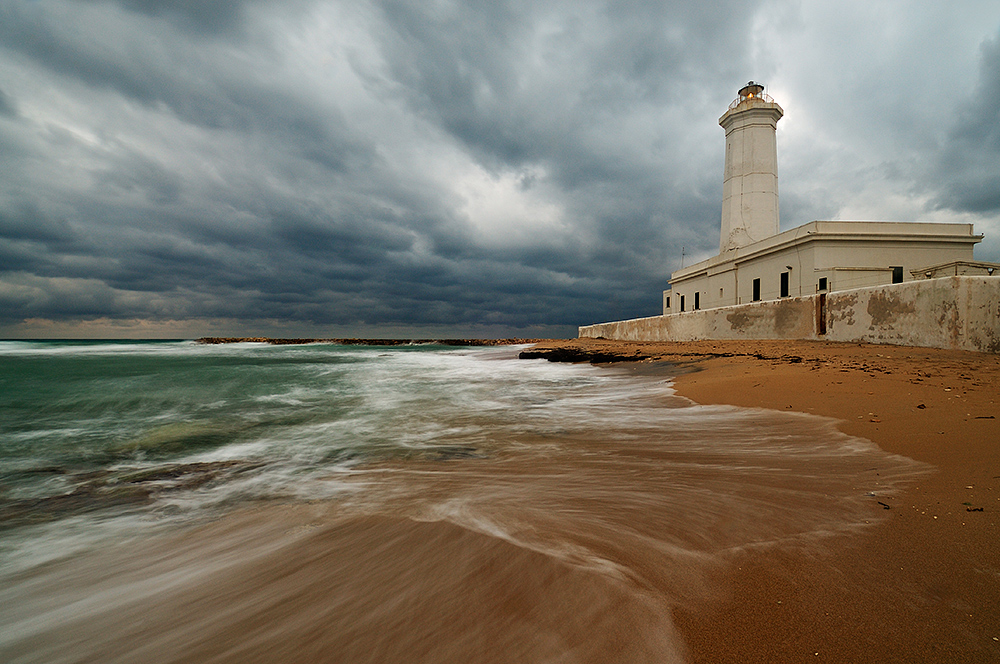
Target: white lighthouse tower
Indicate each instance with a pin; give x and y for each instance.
(750, 182)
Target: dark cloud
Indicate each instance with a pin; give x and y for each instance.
(205, 84)
(136, 173)
(970, 162)
(69, 50)
(523, 83)
(27, 222)
(8, 108)
(197, 15)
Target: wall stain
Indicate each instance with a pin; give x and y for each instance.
(740, 320)
(788, 315)
(840, 307)
(884, 308)
(992, 346)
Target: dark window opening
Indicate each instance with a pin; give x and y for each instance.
(821, 314)
(822, 284)
(784, 284)
(897, 274)
(667, 304)
(682, 303)
(756, 290)
(697, 300)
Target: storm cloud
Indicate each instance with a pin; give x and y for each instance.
(450, 167)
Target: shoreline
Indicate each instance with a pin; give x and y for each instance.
(922, 584)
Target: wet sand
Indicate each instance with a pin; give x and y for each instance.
(922, 585)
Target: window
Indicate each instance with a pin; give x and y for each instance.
(697, 300)
(784, 284)
(666, 305)
(756, 290)
(897, 274)
(682, 303)
(822, 284)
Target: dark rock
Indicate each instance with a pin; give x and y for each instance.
(580, 355)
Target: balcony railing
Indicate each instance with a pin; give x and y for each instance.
(763, 96)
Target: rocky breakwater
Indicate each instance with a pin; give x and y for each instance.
(576, 354)
(604, 351)
(368, 342)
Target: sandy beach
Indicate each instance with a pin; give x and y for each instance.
(922, 585)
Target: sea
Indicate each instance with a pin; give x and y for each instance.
(168, 501)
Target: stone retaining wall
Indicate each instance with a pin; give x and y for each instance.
(952, 312)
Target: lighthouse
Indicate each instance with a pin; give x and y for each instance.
(750, 180)
(874, 281)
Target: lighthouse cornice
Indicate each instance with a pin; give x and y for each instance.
(751, 112)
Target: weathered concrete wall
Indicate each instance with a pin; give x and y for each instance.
(953, 312)
(790, 318)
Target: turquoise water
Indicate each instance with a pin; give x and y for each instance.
(246, 420)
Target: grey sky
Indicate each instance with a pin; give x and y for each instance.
(439, 167)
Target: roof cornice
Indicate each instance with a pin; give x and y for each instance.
(838, 231)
